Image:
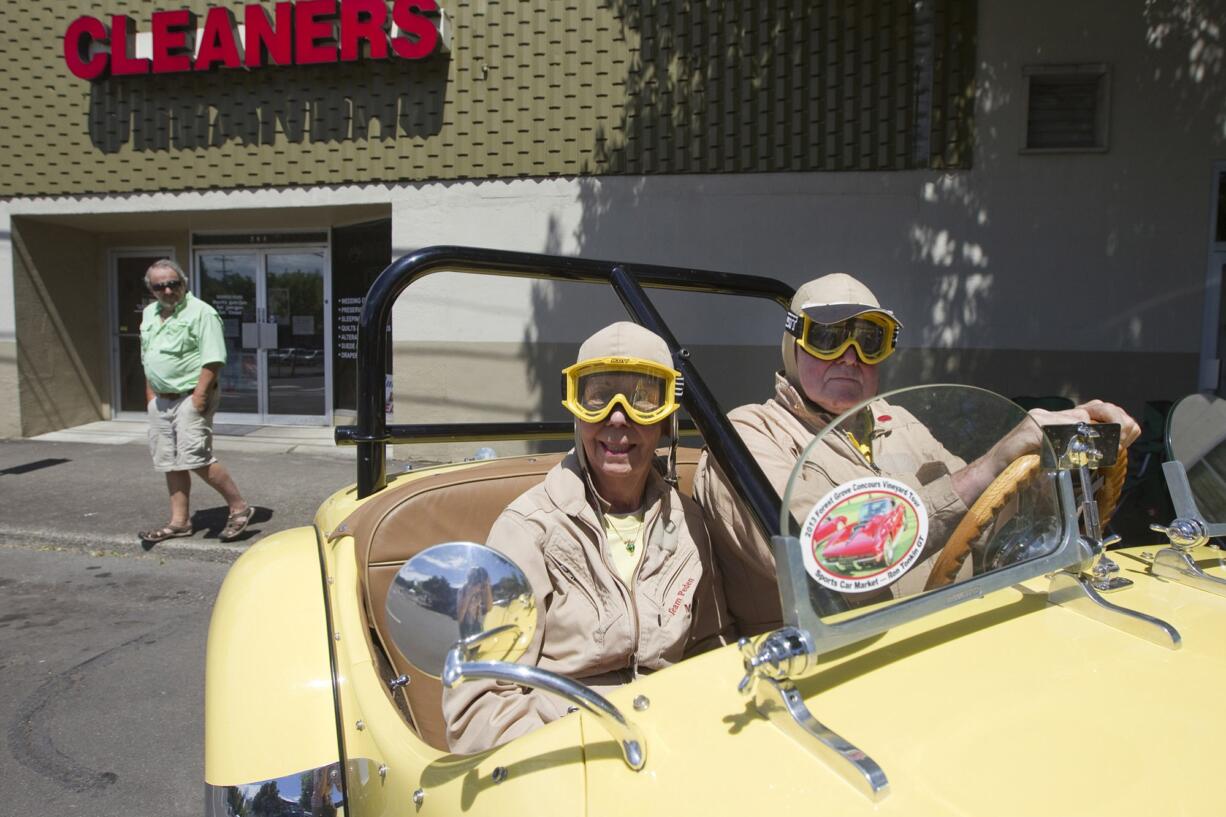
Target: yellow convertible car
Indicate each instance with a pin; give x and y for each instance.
(1031, 671)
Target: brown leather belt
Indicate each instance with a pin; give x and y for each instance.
(171, 395)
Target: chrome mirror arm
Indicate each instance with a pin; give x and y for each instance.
(629, 739)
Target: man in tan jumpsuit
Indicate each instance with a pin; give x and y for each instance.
(618, 558)
(884, 440)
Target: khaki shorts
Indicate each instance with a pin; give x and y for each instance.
(181, 438)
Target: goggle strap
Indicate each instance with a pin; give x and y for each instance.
(678, 385)
(794, 324)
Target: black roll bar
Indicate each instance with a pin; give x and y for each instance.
(372, 433)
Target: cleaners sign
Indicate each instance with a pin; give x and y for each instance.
(305, 32)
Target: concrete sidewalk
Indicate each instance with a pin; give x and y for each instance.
(93, 487)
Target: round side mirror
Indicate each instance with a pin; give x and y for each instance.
(460, 592)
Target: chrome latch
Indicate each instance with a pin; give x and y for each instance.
(772, 662)
(780, 655)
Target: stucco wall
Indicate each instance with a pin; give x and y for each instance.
(10, 399)
(10, 404)
(1079, 274)
(60, 318)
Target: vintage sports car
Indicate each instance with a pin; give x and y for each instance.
(1026, 673)
(868, 542)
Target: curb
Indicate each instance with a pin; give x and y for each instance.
(113, 545)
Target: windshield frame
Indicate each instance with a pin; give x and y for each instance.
(828, 635)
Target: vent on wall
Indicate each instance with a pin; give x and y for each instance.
(1066, 108)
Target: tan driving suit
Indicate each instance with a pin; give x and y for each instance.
(777, 433)
(591, 626)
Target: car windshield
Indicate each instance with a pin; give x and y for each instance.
(1196, 436)
(914, 491)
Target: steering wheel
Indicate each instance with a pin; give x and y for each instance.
(958, 546)
(1006, 484)
(1108, 496)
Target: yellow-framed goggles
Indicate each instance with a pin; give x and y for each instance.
(646, 391)
(872, 334)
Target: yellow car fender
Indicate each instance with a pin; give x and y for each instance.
(270, 710)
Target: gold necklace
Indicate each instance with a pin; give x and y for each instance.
(628, 544)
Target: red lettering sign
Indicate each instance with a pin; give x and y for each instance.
(266, 39)
(219, 42)
(82, 33)
(423, 37)
(174, 35)
(123, 37)
(315, 32)
(364, 21)
(300, 32)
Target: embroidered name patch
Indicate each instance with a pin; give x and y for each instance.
(680, 598)
(864, 535)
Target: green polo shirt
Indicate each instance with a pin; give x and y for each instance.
(174, 350)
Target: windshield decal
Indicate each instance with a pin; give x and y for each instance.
(864, 535)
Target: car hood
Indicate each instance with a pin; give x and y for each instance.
(1002, 705)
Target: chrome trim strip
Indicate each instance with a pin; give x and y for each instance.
(300, 791)
(330, 624)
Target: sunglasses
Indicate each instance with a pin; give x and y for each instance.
(166, 285)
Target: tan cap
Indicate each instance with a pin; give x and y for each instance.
(829, 299)
(622, 339)
(625, 339)
(836, 297)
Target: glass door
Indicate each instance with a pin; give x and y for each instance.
(229, 281)
(297, 357)
(271, 304)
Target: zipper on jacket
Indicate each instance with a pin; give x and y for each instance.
(602, 546)
(845, 436)
(648, 524)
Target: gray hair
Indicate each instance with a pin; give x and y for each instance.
(166, 263)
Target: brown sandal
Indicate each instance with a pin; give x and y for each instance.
(236, 523)
(166, 532)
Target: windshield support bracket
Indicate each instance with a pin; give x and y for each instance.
(1176, 562)
(1076, 592)
(772, 661)
(782, 704)
(1179, 566)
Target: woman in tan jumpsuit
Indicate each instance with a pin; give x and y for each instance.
(618, 559)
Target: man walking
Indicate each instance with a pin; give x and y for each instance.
(182, 350)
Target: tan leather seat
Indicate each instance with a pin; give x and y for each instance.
(452, 506)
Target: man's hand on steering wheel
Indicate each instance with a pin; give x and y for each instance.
(1026, 438)
(1095, 411)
